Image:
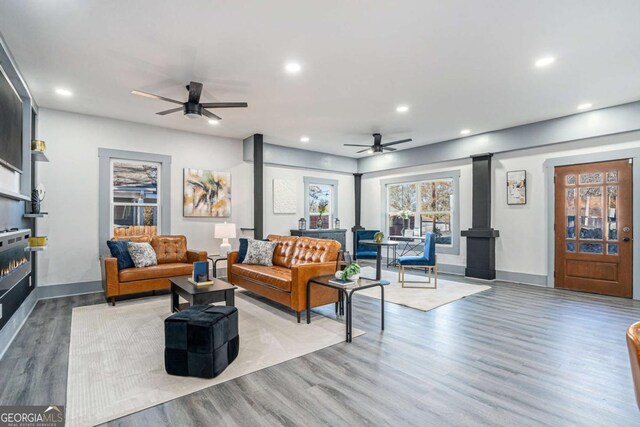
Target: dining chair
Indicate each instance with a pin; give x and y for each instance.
(427, 261)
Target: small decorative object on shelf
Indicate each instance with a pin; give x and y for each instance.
(38, 145)
(302, 224)
(336, 224)
(378, 237)
(37, 241)
(37, 196)
(322, 208)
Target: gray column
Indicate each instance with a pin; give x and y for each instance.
(357, 180)
(258, 186)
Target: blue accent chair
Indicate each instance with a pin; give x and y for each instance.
(365, 251)
(427, 261)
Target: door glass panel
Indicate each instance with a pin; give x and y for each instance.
(591, 217)
(571, 246)
(612, 177)
(591, 248)
(612, 248)
(612, 212)
(591, 178)
(570, 179)
(571, 213)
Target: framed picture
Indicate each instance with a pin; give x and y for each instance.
(206, 194)
(516, 187)
(284, 196)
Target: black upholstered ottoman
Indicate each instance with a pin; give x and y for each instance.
(201, 341)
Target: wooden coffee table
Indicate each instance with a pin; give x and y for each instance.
(197, 295)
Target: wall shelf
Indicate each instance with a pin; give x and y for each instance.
(13, 195)
(38, 215)
(35, 248)
(39, 156)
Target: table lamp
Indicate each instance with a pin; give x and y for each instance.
(225, 232)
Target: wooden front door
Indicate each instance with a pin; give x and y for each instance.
(593, 228)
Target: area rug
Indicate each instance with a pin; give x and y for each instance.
(116, 354)
(420, 299)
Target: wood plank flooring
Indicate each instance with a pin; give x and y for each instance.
(514, 355)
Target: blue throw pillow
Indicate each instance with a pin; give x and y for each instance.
(119, 251)
(242, 250)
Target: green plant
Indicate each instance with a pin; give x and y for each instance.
(351, 270)
(322, 207)
(378, 237)
(405, 214)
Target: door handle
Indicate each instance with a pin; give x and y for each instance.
(626, 239)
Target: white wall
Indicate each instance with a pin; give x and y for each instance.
(522, 245)
(283, 223)
(71, 179)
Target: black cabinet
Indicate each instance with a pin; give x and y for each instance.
(339, 235)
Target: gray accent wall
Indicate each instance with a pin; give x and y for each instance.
(295, 157)
(607, 121)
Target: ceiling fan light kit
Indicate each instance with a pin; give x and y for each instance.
(192, 109)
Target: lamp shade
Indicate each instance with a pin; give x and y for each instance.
(225, 231)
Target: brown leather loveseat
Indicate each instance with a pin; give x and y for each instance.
(174, 259)
(295, 261)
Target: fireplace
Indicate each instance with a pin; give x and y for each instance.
(15, 263)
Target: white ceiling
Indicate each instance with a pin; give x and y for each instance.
(457, 64)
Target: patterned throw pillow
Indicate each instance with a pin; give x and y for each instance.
(260, 253)
(142, 254)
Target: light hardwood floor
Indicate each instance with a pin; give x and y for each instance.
(514, 355)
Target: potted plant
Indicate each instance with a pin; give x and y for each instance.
(351, 272)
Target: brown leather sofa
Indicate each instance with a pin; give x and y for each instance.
(295, 261)
(174, 259)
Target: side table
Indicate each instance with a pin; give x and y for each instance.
(214, 260)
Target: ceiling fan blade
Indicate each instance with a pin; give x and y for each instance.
(173, 110)
(210, 115)
(388, 149)
(225, 105)
(356, 145)
(195, 90)
(152, 96)
(396, 142)
(362, 151)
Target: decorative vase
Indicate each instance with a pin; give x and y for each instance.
(352, 277)
(35, 202)
(319, 223)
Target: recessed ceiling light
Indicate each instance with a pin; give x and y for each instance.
(304, 139)
(293, 67)
(213, 122)
(585, 106)
(402, 109)
(543, 62)
(465, 132)
(63, 92)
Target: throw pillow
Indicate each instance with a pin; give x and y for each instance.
(142, 254)
(242, 250)
(119, 251)
(260, 253)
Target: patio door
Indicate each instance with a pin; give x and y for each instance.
(593, 228)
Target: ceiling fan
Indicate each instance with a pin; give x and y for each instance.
(378, 146)
(192, 109)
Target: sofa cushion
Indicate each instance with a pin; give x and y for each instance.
(283, 254)
(310, 250)
(170, 249)
(260, 253)
(142, 254)
(155, 272)
(276, 276)
(120, 252)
